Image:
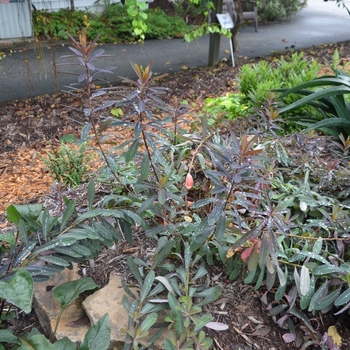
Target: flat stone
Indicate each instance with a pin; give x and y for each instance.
(74, 323)
(109, 300)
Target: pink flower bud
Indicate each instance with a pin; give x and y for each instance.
(189, 181)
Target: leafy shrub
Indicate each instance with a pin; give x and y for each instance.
(256, 83)
(113, 25)
(58, 24)
(272, 10)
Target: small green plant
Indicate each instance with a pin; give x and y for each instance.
(68, 164)
(181, 310)
(231, 105)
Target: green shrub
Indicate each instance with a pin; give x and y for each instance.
(271, 10)
(114, 24)
(256, 83)
(58, 24)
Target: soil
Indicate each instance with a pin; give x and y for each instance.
(29, 128)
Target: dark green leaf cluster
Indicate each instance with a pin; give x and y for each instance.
(329, 96)
(44, 245)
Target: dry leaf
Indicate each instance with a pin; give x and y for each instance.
(332, 332)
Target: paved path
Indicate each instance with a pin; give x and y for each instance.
(29, 72)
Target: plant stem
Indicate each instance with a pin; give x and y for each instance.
(149, 155)
(57, 322)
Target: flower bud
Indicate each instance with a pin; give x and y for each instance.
(189, 181)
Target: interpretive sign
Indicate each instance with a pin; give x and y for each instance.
(226, 22)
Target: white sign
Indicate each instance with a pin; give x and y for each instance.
(225, 20)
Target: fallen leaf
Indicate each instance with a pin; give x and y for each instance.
(262, 332)
(332, 332)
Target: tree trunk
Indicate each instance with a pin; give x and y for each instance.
(214, 38)
(237, 19)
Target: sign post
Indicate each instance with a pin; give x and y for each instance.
(226, 22)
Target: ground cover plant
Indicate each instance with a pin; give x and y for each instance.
(207, 197)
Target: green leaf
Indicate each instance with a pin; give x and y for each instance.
(137, 130)
(282, 276)
(317, 295)
(202, 202)
(67, 292)
(163, 253)
(59, 242)
(250, 277)
(10, 239)
(201, 321)
(19, 290)
(200, 273)
(296, 312)
(305, 299)
(216, 213)
(301, 255)
(45, 221)
(147, 285)
(67, 214)
(343, 298)
(54, 260)
(145, 166)
(161, 196)
(221, 227)
(149, 321)
(13, 214)
(187, 257)
(209, 295)
(173, 304)
(134, 270)
(22, 231)
(98, 336)
(91, 194)
(16, 211)
(327, 270)
(7, 336)
(304, 280)
(168, 345)
(36, 342)
(317, 246)
(65, 344)
(327, 300)
(130, 154)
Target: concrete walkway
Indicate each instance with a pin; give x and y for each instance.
(27, 70)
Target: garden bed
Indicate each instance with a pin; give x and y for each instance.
(34, 126)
